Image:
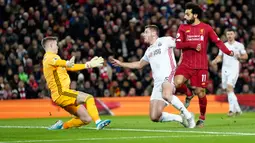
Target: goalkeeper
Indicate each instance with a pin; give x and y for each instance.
(55, 72)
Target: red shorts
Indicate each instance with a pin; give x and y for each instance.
(197, 77)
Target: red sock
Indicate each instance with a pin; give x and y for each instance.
(202, 106)
(184, 89)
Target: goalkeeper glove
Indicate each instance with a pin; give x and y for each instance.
(95, 62)
(70, 63)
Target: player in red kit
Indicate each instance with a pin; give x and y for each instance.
(192, 38)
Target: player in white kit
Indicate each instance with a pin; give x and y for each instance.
(230, 69)
(160, 56)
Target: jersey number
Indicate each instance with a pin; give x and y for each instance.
(203, 77)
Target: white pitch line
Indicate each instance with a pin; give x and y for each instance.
(183, 131)
(148, 130)
(113, 138)
(24, 127)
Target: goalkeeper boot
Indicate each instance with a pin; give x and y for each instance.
(102, 124)
(58, 125)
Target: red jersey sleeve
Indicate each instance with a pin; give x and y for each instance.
(215, 39)
(181, 43)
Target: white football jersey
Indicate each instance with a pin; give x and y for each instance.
(231, 63)
(160, 55)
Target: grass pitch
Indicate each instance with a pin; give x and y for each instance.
(218, 128)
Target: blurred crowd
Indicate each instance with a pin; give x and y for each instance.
(107, 28)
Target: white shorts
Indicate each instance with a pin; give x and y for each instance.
(157, 93)
(229, 78)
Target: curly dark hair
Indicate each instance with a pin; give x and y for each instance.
(195, 9)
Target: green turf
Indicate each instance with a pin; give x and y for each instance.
(218, 129)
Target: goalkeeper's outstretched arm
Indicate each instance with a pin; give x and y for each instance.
(94, 62)
(77, 67)
(58, 62)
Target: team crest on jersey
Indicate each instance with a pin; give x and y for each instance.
(159, 44)
(178, 35)
(201, 31)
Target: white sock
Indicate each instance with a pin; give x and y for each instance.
(237, 107)
(231, 101)
(179, 106)
(235, 102)
(97, 121)
(166, 117)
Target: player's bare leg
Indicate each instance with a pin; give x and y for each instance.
(156, 109)
(92, 109)
(188, 91)
(202, 105)
(167, 89)
(157, 114)
(234, 107)
(179, 82)
(82, 116)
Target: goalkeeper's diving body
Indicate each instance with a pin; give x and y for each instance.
(55, 72)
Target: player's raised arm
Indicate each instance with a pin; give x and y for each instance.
(132, 65)
(243, 55)
(217, 59)
(181, 43)
(58, 62)
(215, 39)
(94, 62)
(180, 59)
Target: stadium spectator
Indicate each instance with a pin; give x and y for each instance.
(109, 28)
(246, 89)
(22, 90)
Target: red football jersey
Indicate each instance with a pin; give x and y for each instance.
(187, 39)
